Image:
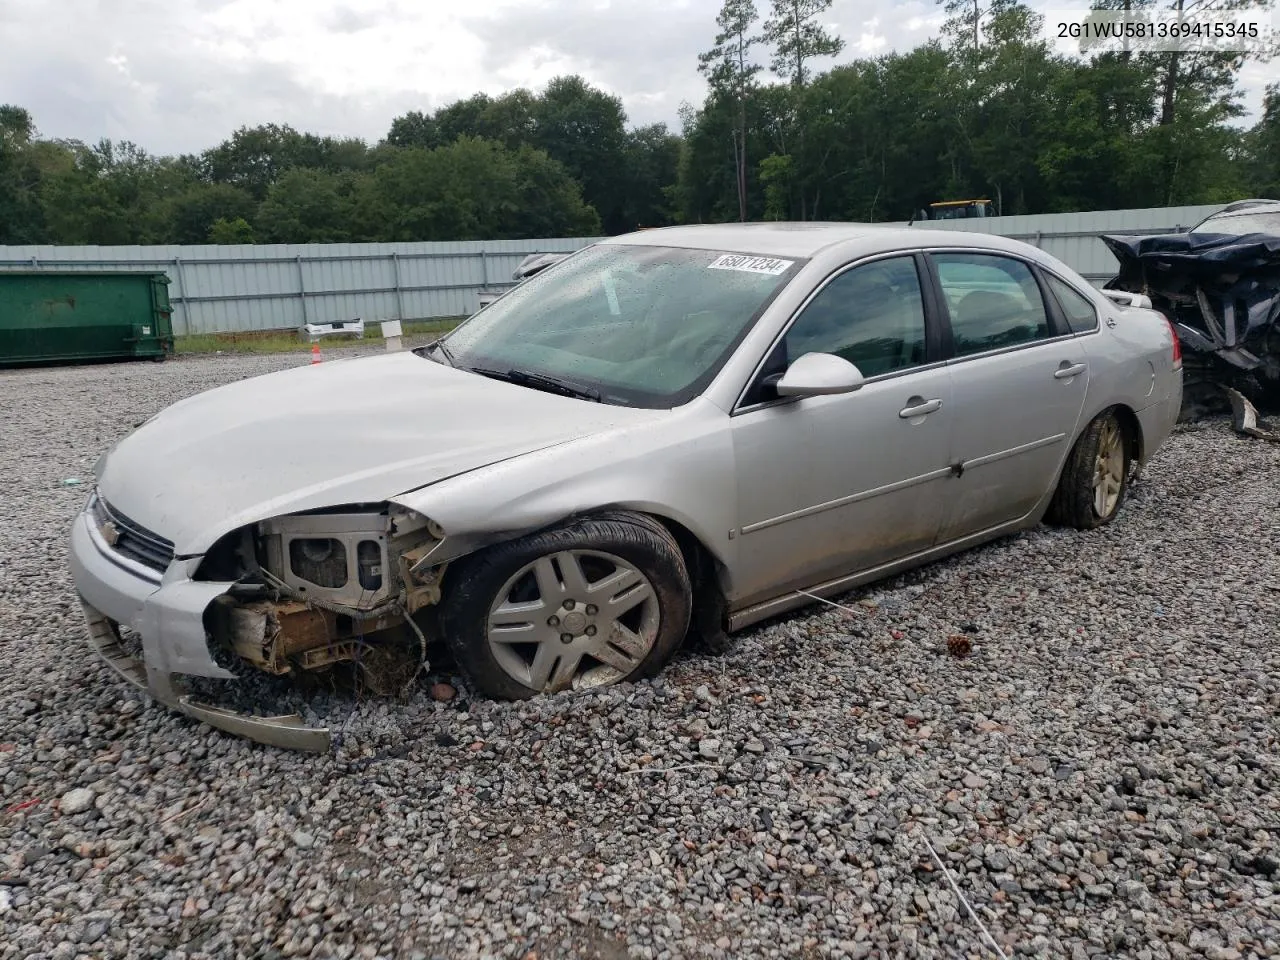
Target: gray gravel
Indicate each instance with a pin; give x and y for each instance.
(1099, 774)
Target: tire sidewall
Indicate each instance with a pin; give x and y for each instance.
(472, 586)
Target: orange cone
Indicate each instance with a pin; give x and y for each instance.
(315, 353)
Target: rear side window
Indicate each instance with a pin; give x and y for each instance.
(1081, 316)
(994, 302)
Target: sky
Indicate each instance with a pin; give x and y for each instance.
(177, 76)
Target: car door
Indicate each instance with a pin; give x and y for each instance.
(1019, 379)
(832, 484)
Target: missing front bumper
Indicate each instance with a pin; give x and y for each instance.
(288, 732)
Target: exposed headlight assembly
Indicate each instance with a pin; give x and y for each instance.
(352, 559)
(338, 557)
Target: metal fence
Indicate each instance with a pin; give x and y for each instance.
(243, 287)
(246, 287)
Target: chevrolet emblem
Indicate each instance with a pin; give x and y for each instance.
(110, 532)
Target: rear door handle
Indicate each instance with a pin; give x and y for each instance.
(919, 407)
(1068, 371)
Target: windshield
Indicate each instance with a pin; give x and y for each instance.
(634, 325)
(1242, 223)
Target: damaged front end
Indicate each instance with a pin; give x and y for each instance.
(308, 593)
(1222, 293)
(316, 590)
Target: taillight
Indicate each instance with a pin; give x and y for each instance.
(1177, 344)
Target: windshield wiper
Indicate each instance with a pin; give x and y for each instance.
(540, 381)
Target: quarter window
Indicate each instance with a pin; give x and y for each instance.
(1080, 313)
(872, 316)
(994, 302)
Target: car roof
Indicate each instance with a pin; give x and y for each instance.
(785, 239)
(1242, 208)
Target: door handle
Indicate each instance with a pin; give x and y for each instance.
(919, 407)
(1069, 370)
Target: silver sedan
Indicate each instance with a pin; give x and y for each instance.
(667, 435)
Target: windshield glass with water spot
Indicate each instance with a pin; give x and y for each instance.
(637, 325)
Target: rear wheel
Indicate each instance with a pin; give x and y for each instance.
(595, 602)
(1095, 477)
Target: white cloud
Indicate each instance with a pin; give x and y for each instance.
(180, 75)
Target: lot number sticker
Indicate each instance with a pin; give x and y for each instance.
(737, 261)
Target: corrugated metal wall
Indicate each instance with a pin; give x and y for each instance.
(240, 287)
(1073, 237)
(277, 286)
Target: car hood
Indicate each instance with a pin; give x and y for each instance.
(340, 432)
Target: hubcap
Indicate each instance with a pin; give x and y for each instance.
(574, 619)
(1108, 472)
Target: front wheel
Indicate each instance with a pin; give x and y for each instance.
(595, 602)
(1095, 477)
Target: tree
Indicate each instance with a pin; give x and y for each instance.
(797, 37)
(729, 70)
(549, 201)
(707, 183)
(231, 231)
(16, 126)
(192, 214)
(471, 189)
(1194, 96)
(414, 129)
(254, 158)
(652, 167)
(307, 206)
(584, 129)
(20, 214)
(1263, 148)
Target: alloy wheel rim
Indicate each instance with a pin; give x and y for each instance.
(1108, 473)
(572, 620)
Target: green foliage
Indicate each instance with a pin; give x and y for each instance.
(584, 129)
(238, 230)
(255, 158)
(797, 37)
(729, 70)
(20, 214)
(192, 213)
(307, 205)
(1262, 155)
(471, 189)
(414, 129)
(652, 166)
(777, 174)
(986, 111)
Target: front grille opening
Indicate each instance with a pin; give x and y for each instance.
(133, 540)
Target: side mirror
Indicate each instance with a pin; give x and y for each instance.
(819, 374)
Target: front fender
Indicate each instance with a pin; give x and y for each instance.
(679, 467)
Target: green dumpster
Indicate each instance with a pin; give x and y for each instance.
(47, 316)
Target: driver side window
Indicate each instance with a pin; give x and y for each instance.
(872, 316)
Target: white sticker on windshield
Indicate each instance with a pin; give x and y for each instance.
(738, 261)
(611, 294)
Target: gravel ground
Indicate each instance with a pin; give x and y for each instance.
(1099, 774)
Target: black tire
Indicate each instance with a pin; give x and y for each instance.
(1074, 503)
(472, 586)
